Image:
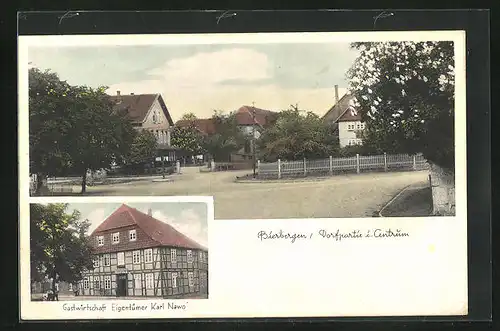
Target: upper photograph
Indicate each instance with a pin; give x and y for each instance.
(271, 130)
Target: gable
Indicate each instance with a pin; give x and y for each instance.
(156, 115)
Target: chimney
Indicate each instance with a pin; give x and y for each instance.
(336, 94)
(132, 93)
(118, 93)
(150, 212)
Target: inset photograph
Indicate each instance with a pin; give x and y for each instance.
(94, 251)
(317, 130)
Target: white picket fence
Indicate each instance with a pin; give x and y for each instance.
(331, 166)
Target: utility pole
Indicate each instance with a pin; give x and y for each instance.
(253, 141)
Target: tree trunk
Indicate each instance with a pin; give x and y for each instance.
(443, 190)
(56, 296)
(84, 181)
(40, 178)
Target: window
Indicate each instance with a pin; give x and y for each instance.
(137, 281)
(120, 256)
(100, 240)
(174, 279)
(70, 287)
(149, 281)
(201, 256)
(148, 255)
(190, 279)
(107, 282)
(86, 283)
(107, 260)
(136, 257)
(173, 255)
(115, 237)
(96, 262)
(97, 282)
(362, 125)
(189, 256)
(132, 235)
(358, 126)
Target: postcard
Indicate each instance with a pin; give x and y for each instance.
(325, 168)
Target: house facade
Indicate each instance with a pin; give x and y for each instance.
(148, 112)
(138, 255)
(346, 120)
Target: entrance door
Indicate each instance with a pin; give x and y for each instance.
(121, 285)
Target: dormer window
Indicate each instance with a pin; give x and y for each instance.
(132, 235)
(115, 238)
(100, 240)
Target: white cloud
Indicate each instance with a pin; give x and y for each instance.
(192, 84)
(214, 67)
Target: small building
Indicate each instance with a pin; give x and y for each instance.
(346, 120)
(250, 120)
(138, 255)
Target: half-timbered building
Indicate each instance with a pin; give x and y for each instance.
(138, 255)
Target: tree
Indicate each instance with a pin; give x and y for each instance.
(189, 117)
(99, 136)
(142, 149)
(73, 128)
(226, 139)
(189, 139)
(59, 245)
(405, 92)
(49, 124)
(296, 135)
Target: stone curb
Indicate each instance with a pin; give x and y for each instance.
(273, 181)
(392, 200)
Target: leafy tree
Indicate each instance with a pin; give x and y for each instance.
(49, 124)
(59, 246)
(73, 128)
(405, 92)
(189, 139)
(189, 117)
(226, 139)
(296, 135)
(143, 148)
(99, 136)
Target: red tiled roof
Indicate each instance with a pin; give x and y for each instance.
(161, 232)
(262, 116)
(204, 125)
(138, 105)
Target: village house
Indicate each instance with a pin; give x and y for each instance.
(251, 121)
(149, 112)
(346, 120)
(138, 255)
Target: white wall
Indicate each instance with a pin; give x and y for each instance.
(346, 134)
(443, 191)
(161, 128)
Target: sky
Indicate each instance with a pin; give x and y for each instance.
(189, 218)
(207, 77)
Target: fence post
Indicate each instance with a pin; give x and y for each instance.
(331, 165)
(414, 162)
(385, 161)
(178, 167)
(305, 168)
(357, 163)
(279, 169)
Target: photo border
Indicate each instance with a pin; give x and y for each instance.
(478, 147)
